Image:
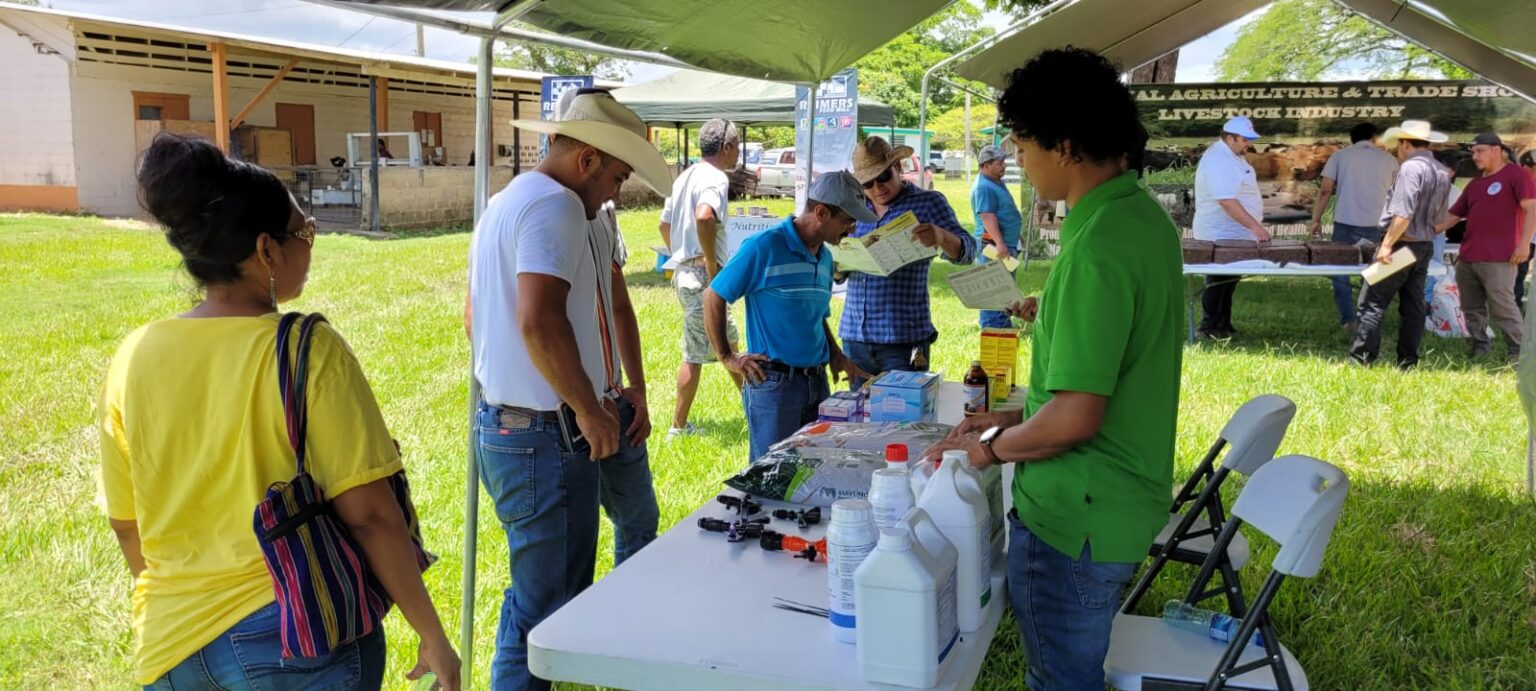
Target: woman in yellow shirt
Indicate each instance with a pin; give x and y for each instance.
(193, 433)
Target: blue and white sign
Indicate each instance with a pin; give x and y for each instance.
(836, 127)
(550, 95)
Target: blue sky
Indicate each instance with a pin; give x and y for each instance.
(297, 20)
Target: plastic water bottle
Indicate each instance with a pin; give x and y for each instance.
(851, 536)
(891, 496)
(1219, 627)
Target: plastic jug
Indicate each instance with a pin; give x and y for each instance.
(955, 502)
(905, 594)
(989, 483)
(851, 536)
(918, 474)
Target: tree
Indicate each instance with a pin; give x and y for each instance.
(564, 61)
(1308, 40)
(949, 128)
(893, 73)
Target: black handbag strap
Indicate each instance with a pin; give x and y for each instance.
(293, 378)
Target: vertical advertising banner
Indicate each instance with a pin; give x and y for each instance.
(835, 128)
(550, 95)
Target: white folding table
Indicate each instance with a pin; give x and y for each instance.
(692, 611)
(1256, 268)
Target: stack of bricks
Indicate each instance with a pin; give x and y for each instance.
(1228, 251)
(1197, 251)
(1284, 252)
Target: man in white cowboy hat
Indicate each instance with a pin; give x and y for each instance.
(549, 382)
(886, 323)
(1416, 204)
(1228, 206)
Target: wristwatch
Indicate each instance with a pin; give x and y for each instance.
(987, 438)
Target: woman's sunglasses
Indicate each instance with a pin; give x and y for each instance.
(307, 231)
(884, 178)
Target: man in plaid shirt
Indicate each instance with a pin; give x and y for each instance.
(886, 319)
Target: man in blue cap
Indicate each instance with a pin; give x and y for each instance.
(785, 274)
(1227, 207)
(998, 221)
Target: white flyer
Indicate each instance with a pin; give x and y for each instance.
(985, 287)
(1378, 272)
(882, 252)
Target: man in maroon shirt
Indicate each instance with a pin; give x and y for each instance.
(1500, 210)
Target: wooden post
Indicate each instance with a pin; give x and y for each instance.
(265, 90)
(220, 97)
(383, 104)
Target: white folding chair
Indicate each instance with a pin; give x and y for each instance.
(1295, 500)
(1253, 434)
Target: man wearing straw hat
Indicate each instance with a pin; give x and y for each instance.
(551, 396)
(886, 323)
(1415, 205)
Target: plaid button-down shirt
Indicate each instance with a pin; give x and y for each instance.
(894, 309)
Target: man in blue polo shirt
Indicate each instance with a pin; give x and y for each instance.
(785, 274)
(998, 220)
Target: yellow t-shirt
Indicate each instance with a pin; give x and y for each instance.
(192, 435)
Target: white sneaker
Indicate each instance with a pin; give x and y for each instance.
(687, 430)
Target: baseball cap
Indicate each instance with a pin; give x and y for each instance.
(841, 190)
(988, 154)
(1488, 139)
(1240, 126)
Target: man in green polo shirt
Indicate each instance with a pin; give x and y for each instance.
(1095, 440)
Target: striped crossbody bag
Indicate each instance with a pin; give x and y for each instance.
(326, 594)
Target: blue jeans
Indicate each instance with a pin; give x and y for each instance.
(1343, 293)
(626, 492)
(781, 404)
(875, 358)
(249, 657)
(547, 498)
(1065, 607)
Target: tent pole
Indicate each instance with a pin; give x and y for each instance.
(966, 161)
(373, 158)
(483, 124)
(810, 147)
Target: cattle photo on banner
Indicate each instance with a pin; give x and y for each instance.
(550, 95)
(836, 128)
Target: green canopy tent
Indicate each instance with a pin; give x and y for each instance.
(687, 96)
(1491, 38)
(794, 41)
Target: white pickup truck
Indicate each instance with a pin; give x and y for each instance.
(775, 170)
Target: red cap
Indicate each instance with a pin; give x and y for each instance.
(896, 453)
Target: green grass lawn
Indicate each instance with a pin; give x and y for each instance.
(1430, 581)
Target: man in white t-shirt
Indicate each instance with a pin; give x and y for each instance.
(544, 355)
(1227, 207)
(693, 226)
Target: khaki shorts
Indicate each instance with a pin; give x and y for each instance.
(690, 280)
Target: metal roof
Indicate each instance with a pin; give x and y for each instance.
(373, 62)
